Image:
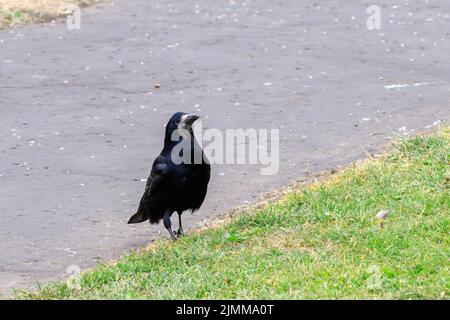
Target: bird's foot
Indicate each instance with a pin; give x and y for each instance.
(173, 235)
(179, 233)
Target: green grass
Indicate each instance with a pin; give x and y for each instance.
(322, 241)
(19, 12)
(11, 18)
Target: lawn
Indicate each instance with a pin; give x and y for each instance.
(322, 241)
(18, 12)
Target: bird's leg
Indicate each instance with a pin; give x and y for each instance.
(180, 231)
(168, 224)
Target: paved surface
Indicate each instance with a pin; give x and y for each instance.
(81, 121)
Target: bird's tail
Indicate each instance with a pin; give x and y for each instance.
(138, 217)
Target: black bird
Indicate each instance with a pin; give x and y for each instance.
(174, 185)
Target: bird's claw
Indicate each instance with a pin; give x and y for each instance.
(179, 233)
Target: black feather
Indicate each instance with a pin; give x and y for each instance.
(174, 187)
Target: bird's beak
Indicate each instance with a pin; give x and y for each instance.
(191, 118)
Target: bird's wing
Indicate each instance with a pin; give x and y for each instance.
(152, 189)
(157, 175)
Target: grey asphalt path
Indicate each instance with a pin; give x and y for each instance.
(81, 121)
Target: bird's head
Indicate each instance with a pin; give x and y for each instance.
(180, 121)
